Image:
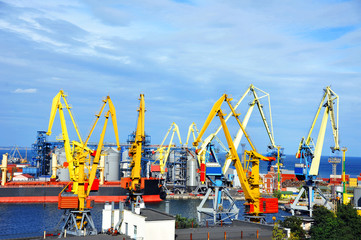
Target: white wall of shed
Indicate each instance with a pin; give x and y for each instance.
(164, 230)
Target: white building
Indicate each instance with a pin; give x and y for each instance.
(148, 225)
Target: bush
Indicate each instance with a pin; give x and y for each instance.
(295, 224)
(277, 194)
(183, 222)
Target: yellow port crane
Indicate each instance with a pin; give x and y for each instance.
(255, 205)
(163, 155)
(77, 218)
(135, 152)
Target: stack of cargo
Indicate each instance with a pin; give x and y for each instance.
(359, 180)
(353, 182)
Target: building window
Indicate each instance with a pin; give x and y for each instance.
(135, 231)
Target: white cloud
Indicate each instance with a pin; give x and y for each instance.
(187, 53)
(27, 90)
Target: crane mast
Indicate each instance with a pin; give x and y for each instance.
(135, 152)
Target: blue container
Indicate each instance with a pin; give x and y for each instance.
(31, 171)
(214, 171)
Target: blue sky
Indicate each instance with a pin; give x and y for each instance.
(183, 55)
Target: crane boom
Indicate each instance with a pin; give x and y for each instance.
(55, 106)
(205, 143)
(164, 158)
(114, 120)
(136, 149)
(319, 144)
(260, 108)
(96, 159)
(238, 138)
(329, 111)
(191, 129)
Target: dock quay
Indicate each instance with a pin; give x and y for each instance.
(190, 196)
(237, 230)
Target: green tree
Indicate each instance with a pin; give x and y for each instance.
(277, 233)
(349, 223)
(277, 194)
(295, 224)
(325, 224)
(346, 224)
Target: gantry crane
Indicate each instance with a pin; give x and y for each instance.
(255, 205)
(73, 198)
(165, 150)
(310, 155)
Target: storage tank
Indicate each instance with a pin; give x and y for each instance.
(192, 182)
(357, 197)
(124, 163)
(62, 173)
(112, 164)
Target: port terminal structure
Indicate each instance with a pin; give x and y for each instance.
(176, 165)
(73, 199)
(255, 206)
(310, 155)
(211, 169)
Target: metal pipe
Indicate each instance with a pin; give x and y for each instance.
(4, 168)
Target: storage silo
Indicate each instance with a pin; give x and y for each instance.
(112, 164)
(191, 174)
(62, 173)
(357, 197)
(125, 161)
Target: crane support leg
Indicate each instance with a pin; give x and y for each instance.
(309, 191)
(218, 212)
(78, 223)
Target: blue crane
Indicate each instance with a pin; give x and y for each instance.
(310, 155)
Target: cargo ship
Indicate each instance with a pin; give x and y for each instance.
(24, 185)
(47, 192)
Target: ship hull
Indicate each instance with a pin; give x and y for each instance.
(48, 192)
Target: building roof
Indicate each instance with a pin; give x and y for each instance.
(154, 215)
(23, 176)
